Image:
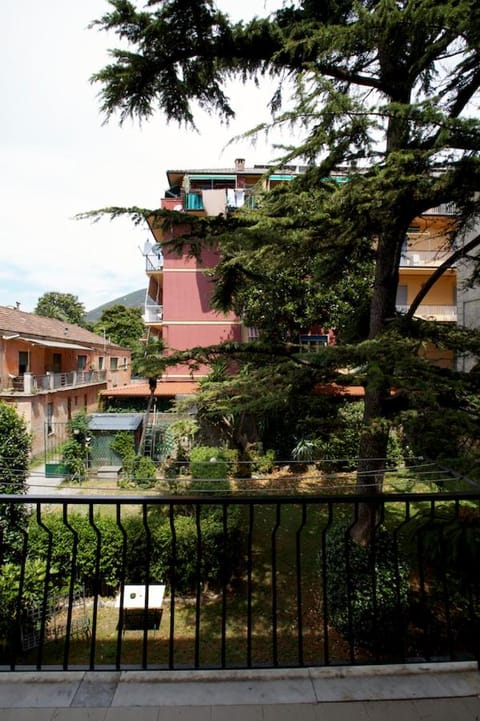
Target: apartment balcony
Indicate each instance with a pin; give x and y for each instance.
(29, 384)
(193, 200)
(153, 262)
(153, 313)
(423, 258)
(445, 313)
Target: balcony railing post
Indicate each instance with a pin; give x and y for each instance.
(28, 383)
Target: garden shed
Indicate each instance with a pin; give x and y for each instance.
(103, 427)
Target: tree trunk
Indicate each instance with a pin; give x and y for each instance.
(374, 438)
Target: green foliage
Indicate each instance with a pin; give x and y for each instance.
(62, 306)
(74, 458)
(179, 438)
(341, 449)
(122, 325)
(450, 543)
(15, 445)
(147, 358)
(367, 589)
(167, 559)
(33, 589)
(78, 426)
(186, 563)
(209, 469)
(123, 445)
(262, 463)
(75, 450)
(79, 559)
(305, 451)
(144, 472)
(139, 470)
(447, 539)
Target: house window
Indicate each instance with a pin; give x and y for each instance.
(313, 343)
(252, 334)
(100, 363)
(81, 362)
(125, 365)
(50, 418)
(113, 363)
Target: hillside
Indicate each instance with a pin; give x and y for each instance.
(136, 299)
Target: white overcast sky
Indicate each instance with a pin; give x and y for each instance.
(57, 158)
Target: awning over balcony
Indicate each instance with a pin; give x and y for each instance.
(53, 343)
(211, 176)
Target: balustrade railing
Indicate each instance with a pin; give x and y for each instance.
(153, 313)
(29, 383)
(446, 313)
(193, 582)
(427, 258)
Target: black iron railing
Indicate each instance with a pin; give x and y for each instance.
(237, 582)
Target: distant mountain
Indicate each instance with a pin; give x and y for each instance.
(131, 300)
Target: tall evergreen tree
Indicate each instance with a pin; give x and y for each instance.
(384, 88)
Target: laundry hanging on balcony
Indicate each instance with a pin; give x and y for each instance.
(214, 201)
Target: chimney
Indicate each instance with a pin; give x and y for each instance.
(239, 163)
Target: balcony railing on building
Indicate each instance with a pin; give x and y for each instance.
(426, 258)
(29, 383)
(442, 209)
(445, 313)
(153, 313)
(247, 581)
(234, 199)
(152, 253)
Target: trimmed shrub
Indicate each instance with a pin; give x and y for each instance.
(79, 558)
(209, 468)
(155, 552)
(367, 590)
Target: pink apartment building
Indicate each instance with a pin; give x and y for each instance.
(177, 305)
